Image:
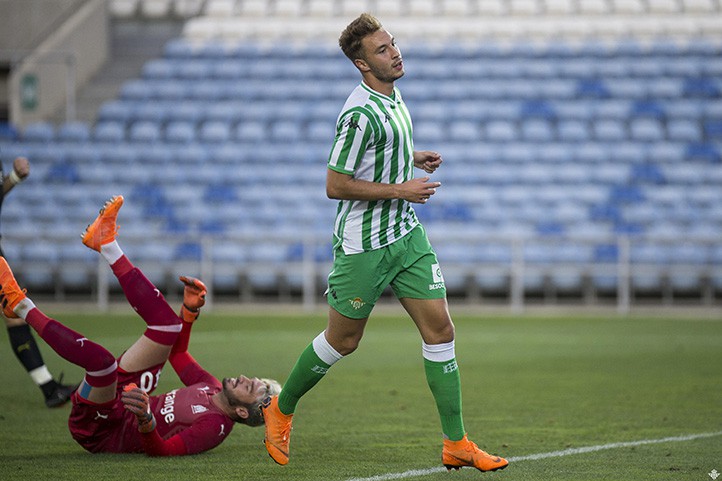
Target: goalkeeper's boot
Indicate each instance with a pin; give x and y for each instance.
(104, 228)
(10, 292)
(278, 431)
(457, 454)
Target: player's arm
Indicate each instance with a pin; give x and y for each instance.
(201, 436)
(343, 186)
(137, 402)
(187, 368)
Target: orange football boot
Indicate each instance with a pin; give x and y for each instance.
(457, 454)
(278, 431)
(104, 228)
(10, 292)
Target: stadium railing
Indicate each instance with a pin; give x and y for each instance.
(625, 271)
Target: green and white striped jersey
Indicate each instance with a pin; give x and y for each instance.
(373, 142)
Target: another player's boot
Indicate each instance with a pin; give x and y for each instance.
(457, 454)
(104, 228)
(10, 292)
(278, 431)
(61, 394)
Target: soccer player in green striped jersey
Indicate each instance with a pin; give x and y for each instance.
(380, 242)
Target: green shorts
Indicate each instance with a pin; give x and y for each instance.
(409, 265)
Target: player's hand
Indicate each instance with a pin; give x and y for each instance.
(137, 401)
(427, 160)
(21, 166)
(194, 297)
(419, 190)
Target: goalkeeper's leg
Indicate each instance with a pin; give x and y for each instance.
(163, 325)
(101, 368)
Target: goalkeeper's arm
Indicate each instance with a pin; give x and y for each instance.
(194, 297)
(137, 402)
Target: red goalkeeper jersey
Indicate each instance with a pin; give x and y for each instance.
(188, 421)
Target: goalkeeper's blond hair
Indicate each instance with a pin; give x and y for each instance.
(255, 414)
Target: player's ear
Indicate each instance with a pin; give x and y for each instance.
(242, 412)
(361, 65)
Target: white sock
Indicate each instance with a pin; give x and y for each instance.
(41, 375)
(23, 307)
(325, 351)
(111, 252)
(438, 352)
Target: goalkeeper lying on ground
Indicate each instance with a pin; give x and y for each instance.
(110, 412)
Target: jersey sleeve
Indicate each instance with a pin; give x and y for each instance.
(206, 434)
(354, 134)
(185, 366)
(154, 445)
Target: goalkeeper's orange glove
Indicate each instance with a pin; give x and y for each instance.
(137, 401)
(194, 297)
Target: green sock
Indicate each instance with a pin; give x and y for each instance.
(309, 369)
(445, 384)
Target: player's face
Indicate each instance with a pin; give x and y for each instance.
(244, 390)
(382, 56)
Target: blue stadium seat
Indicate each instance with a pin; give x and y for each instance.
(537, 130)
(684, 130)
(170, 90)
(159, 69)
(144, 131)
(249, 131)
(501, 131)
(154, 112)
(220, 193)
(38, 265)
(180, 131)
(179, 48)
(73, 132)
(702, 152)
(647, 173)
(702, 87)
(109, 131)
(458, 131)
(573, 131)
(214, 131)
(39, 132)
(609, 130)
(287, 131)
(115, 110)
(713, 129)
(646, 130)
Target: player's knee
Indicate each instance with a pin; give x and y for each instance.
(101, 361)
(440, 334)
(347, 345)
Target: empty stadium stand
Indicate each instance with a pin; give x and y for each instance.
(582, 145)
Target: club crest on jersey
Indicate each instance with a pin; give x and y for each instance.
(357, 303)
(198, 409)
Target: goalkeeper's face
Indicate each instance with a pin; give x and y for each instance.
(245, 395)
(243, 391)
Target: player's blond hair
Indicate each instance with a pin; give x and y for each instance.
(255, 414)
(350, 39)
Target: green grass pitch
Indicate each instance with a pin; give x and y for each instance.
(531, 384)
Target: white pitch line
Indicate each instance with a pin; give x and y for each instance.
(551, 454)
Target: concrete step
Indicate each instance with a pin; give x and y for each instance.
(133, 43)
